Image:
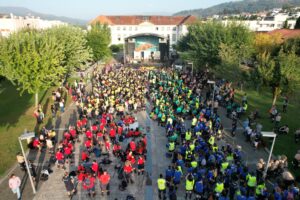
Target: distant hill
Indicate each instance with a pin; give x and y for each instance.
(20, 11)
(240, 6)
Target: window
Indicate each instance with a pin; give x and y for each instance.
(124, 28)
(157, 28)
(119, 39)
(174, 28)
(162, 28)
(130, 28)
(118, 28)
(136, 28)
(168, 28)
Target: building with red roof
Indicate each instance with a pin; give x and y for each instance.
(122, 27)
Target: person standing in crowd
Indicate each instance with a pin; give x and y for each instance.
(162, 186)
(104, 180)
(14, 183)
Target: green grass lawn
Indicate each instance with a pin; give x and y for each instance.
(16, 114)
(285, 144)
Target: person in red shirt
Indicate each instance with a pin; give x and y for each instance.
(79, 125)
(132, 146)
(107, 145)
(67, 135)
(81, 176)
(73, 133)
(128, 169)
(104, 180)
(36, 144)
(116, 149)
(60, 159)
(141, 165)
(94, 128)
(136, 133)
(102, 127)
(68, 153)
(112, 135)
(89, 134)
(89, 185)
(84, 156)
(131, 158)
(95, 167)
(130, 133)
(103, 119)
(88, 144)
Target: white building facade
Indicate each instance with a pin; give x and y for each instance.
(122, 27)
(11, 23)
(268, 23)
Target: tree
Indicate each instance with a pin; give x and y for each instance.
(204, 41)
(99, 39)
(297, 25)
(32, 61)
(73, 40)
(285, 24)
(277, 68)
(289, 63)
(116, 48)
(292, 43)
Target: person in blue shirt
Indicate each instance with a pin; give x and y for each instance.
(251, 196)
(177, 177)
(169, 174)
(241, 197)
(199, 188)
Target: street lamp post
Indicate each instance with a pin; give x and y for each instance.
(124, 52)
(24, 137)
(213, 95)
(269, 135)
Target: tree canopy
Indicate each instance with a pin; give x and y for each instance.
(98, 38)
(208, 42)
(35, 60)
(74, 43)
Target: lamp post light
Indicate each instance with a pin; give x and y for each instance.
(269, 135)
(124, 51)
(25, 136)
(213, 95)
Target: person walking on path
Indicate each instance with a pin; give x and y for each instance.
(69, 184)
(161, 184)
(14, 184)
(104, 180)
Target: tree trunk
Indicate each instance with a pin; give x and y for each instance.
(36, 99)
(276, 92)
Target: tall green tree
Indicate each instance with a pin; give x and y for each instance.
(73, 40)
(205, 40)
(31, 61)
(98, 38)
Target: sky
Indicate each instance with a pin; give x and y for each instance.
(88, 9)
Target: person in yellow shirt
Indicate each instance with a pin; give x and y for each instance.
(161, 185)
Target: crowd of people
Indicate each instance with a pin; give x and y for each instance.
(187, 106)
(206, 170)
(108, 128)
